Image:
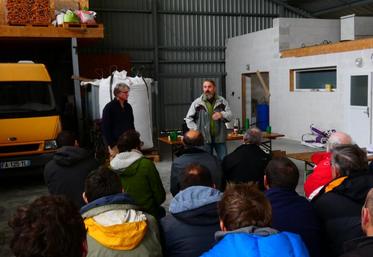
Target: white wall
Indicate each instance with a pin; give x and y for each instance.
(291, 113)
(251, 49)
(295, 32)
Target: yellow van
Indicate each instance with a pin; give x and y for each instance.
(29, 122)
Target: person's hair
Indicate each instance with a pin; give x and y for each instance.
(253, 136)
(193, 138)
(49, 226)
(211, 81)
(65, 138)
(282, 173)
(100, 183)
(337, 138)
(369, 204)
(349, 159)
(129, 140)
(195, 175)
(244, 205)
(119, 87)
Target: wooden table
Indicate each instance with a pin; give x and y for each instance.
(266, 143)
(308, 164)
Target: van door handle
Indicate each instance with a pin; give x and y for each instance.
(367, 111)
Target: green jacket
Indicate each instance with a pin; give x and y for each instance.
(140, 179)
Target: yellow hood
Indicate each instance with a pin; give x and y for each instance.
(24, 130)
(125, 236)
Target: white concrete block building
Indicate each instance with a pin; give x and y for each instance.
(299, 79)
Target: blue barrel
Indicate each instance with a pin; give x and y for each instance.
(262, 116)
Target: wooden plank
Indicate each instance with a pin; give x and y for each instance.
(345, 46)
(264, 86)
(291, 80)
(51, 32)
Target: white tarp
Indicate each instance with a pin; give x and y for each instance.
(139, 98)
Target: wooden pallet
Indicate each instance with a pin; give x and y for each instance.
(71, 25)
(29, 25)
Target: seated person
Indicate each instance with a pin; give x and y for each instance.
(322, 172)
(194, 153)
(139, 176)
(193, 220)
(363, 246)
(339, 203)
(245, 218)
(248, 161)
(66, 172)
(115, 225)
(291, 212)
(49, 226)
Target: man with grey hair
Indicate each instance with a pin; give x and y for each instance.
(322, 172)
(117, 117)
(363, 246)
(248, 161)
(338, 205)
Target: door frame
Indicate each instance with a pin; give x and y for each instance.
(368, 73)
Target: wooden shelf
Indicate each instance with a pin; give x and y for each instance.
(344, 46)
(30, 31)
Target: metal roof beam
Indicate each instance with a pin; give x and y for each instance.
(342, 6)
(294, 9)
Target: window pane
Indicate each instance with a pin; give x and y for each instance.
(316, 79)
(359, 90)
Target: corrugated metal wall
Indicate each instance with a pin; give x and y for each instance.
(180, 42)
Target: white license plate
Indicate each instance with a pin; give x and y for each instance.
(15, 164)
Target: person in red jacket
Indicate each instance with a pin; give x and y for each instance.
(322, 173)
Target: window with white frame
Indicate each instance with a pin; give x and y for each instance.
(314, 79)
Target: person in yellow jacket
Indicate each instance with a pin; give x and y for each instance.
(115, 225)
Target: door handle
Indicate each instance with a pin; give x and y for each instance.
(367, 111)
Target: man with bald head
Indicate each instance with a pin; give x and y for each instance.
(363, 246)
(322, 172)
(194, 154)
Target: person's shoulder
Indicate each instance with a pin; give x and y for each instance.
(110, 104)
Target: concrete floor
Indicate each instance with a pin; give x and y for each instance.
(18, 191)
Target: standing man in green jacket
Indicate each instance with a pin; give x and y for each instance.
(208, 114)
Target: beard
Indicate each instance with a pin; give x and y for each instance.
(209, 96)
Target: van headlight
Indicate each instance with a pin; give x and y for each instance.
(50, 145)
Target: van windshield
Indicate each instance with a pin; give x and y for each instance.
(26, 99)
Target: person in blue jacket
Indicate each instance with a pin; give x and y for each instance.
(245, 217)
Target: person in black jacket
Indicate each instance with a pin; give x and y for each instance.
(193, 153)
(247, 162)
(339, 203)
(66, 172)
(117, 117)
(363, 246)
(189, 229)
(290, 211)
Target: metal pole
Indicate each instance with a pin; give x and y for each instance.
(156, 66)
(77, 95)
